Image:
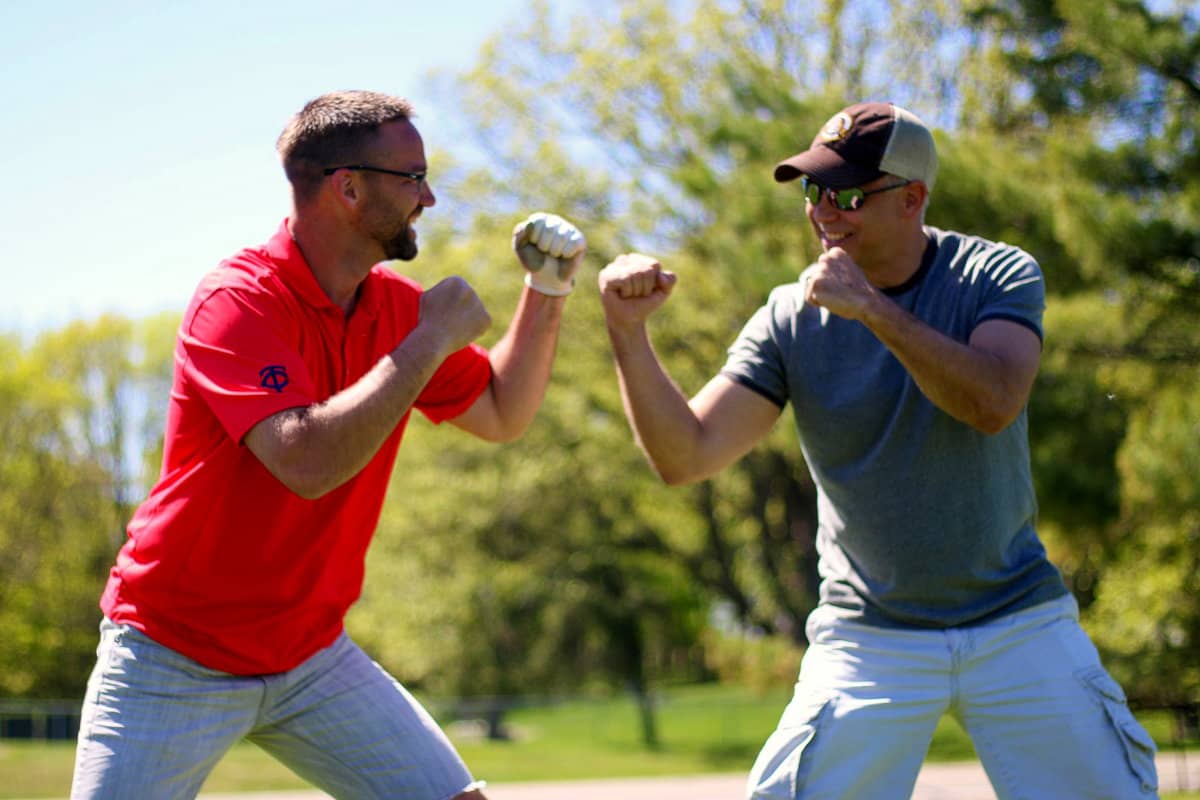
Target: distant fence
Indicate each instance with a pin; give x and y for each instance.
(51, 720)
(39, 719)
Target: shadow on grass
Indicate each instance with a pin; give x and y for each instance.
(729, 757)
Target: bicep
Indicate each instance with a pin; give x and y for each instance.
(463, 393)
(481, 418)
(733, 419)
(269, 439)
(1015, 352)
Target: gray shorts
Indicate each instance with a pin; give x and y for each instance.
(155, 723)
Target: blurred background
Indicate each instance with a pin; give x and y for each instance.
(551, 591)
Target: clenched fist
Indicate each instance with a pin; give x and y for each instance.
(837, 284)
(550, 249)
(456, 312)
(632, 287)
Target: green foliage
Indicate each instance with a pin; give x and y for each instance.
(1148, 598)
(71, 412)
(49, 500)
(1111, 90)
(761, 663)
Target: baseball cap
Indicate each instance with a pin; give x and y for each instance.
(862, 142)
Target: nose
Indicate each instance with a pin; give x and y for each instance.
(427, 198)
(824, 209)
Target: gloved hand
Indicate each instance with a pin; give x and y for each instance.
(550, 249)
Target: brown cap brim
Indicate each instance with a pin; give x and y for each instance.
(827, 168)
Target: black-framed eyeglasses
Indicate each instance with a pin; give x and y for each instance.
(843, 199)
(419, 177)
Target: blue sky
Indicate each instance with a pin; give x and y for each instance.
(137, 147)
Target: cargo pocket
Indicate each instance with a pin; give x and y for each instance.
(1135, 741)
(777, 774)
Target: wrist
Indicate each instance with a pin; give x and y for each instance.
(626, 336)
(550, 288)
(427, 342)
(875, 310)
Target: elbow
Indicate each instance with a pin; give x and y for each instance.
(678, 474)
(307, 480)
(308, 486)
(310, 492)
(283, 446)
(497, 427)
(672, 479)
(999, 401)
(993, 420)
(511, 433)
(674, 467)
(502, 434)
(990, 427)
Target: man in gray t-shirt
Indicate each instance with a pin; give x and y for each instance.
(908, 355)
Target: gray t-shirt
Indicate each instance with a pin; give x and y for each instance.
(922, 520)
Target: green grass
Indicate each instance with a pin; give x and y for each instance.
(701, 728)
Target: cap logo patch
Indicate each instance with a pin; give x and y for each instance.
(837, 128)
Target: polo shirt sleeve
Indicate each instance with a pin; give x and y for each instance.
(456, 385)
(236, 356)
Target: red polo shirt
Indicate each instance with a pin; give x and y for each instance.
(222, 562)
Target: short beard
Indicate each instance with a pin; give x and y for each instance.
(402, 247)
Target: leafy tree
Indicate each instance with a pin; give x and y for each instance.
(1147, 599)
(70, 406)
(1112, 89)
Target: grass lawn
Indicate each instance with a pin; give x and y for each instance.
(702, 729)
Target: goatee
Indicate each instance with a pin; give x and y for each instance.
(402, 247)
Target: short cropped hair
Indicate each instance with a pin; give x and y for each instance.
(334, 129)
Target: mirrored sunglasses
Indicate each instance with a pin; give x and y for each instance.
(843, 199)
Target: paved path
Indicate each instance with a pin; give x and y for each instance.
(953, 781)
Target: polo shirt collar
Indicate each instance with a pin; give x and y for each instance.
(298, 275)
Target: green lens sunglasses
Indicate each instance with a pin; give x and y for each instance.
(843, 199)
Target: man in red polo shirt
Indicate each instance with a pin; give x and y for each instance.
(296, 368)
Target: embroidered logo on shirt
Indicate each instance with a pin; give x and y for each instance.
(274, 377)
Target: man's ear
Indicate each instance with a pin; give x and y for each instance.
(914, 197)
(346, 190)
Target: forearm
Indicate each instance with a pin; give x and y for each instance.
(972, 384)
(316, 449)
(664, 424)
